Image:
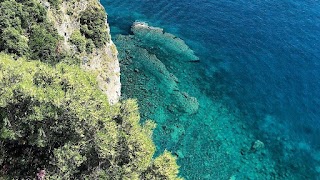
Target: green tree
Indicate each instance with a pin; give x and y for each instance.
(45, 44)
(10, 16)
(163, 167)
(55, 3)
(89, 46)
(56, 118)
(13, 42)
(33, 13)
(26, 19)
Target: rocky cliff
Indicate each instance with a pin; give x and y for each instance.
(101, 60)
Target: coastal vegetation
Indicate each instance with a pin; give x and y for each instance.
(54, 119)
(26, 31)
(78, 40)
(93, 26)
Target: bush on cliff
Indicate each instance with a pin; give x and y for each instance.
(55, 3)
(45, 44)
(93, 24)
(13, 42)
(78, 40)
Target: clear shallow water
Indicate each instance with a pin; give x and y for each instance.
(259, 63)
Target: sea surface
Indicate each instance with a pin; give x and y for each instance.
(234, 86)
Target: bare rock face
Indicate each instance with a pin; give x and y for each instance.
(105, 63)
(102, 61)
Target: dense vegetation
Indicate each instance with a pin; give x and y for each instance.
(57, 119)
(26, 31)
(78, 40)
(93, 25)
(54, 118)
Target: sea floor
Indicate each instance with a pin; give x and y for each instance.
(211, 137)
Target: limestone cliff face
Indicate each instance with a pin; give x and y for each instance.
(101, 61)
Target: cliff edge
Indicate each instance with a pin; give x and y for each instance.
(100, 58)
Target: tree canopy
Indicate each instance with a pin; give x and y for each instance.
(56, 118)
(26, 31)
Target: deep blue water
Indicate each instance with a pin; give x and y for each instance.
(262, 56)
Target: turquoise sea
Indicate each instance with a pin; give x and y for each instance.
(234, 86)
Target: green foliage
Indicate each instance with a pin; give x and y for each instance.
(59, 120)
(46, 109)
(135, 148)
(163, 167)
(89, 46)
(55, 3)
(78, 40)
(33, 13)
(93, 24)
(13, 42)
(21, 14)
(68, 159)
(70, 60)
(45, 44)
(11, 14)
(25, 30)
(6, 133)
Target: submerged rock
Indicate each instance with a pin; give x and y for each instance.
(179, 154)
(158, 56)
(160, 42)
(186, 102)
(257, 145)
(177, 133)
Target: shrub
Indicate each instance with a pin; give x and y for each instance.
(78, 40)
(13, 42)
(10, 16)
(33, 13)
(26, 19)
(21, 14)
(45, 44)
(93, 25)
(163, 167)
(89, 46)
(55, 3)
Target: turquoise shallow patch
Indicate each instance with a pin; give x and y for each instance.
(210, 139)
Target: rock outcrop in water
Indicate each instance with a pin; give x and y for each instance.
(152, 50)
